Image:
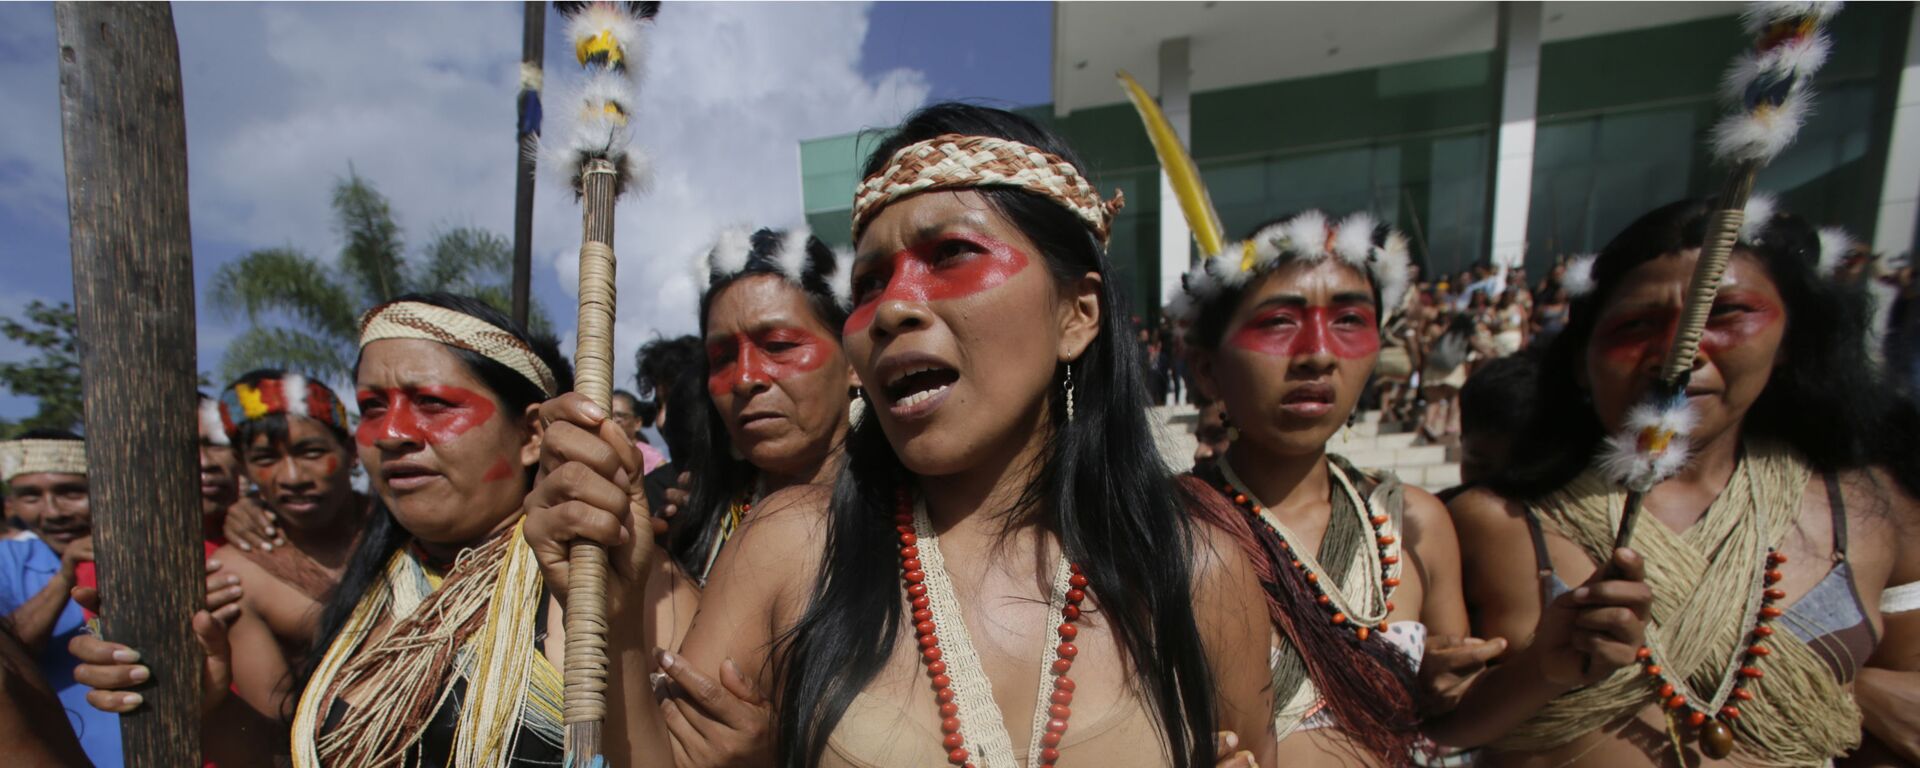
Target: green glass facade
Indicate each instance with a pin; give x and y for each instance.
(1622, 127)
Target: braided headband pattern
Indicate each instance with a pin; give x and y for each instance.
(953, 161)
(416, 320)
(292, 394)
(27, 457)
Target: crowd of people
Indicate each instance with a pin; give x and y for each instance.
(904, 507)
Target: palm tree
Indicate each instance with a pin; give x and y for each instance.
(324, 301)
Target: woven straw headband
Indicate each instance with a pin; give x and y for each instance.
(954, 161)
(33, 456)
(417, 320)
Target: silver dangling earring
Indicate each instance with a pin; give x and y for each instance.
(856, 407)
(1068, 386)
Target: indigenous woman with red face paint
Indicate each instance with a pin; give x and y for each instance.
(1004, 573)
(1783, 556)
(778, 383)
(1284, 330)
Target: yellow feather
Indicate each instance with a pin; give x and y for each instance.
(1187, 187)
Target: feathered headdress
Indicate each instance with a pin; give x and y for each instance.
(793, 254)
(1358, 240)
(607, 40)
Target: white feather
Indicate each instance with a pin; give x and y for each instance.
(1392, 268)
(1353, 239)
(792, 258)
(1639, 470)
(1201, 282)
(1268, 244)
(294, 389)
(839, 278)
(628, 32)
(1577, 280)
(1800, 58)
(1758, 214)
(730, 253)
(214, 430)
(1305, 235)
(1228, 268)
(1834, 245)
(1759, 16)
(1760, 136)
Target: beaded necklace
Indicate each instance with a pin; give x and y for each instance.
(1714, 720)
(955, 672)
(1371, 614)
(736, 512)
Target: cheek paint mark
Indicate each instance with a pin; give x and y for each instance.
(428, 415)
(331, 463)
(951, 267)
(763, 357)
(1740, 317)
(1347, 332)
(500, 470)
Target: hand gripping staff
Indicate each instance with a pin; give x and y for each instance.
(1771, 86)
(599, 165)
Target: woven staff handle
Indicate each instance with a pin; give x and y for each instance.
(1723, 230)
(586, 617)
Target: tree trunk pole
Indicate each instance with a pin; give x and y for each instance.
(126, 163)
(533, 46)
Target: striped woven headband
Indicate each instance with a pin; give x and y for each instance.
(36, 455)
(954, 161)
(418, 320)
(291, 394)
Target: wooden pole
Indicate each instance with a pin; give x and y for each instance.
(533, 46)
(126, 162)
(586, 624)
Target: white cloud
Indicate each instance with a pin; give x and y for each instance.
(419, 98)
(731, 89)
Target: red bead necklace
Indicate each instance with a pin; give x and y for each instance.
(929, 640)
(1716, 726)
(1321, 597)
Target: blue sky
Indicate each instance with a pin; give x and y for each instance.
(282, 97)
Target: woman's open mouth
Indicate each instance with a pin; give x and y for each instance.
(918, 391)
(407, 476)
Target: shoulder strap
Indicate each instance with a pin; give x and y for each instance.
(1542, 561)
(1838, 506)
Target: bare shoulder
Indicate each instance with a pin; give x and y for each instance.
(778, 548)
(234, 561)
(1883, 518)
(1423, 512)
(1479, 512)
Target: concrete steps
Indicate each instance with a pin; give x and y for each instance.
(1429, 467)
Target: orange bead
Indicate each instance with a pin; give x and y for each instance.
(1676, 702)
(908, 539)
(1049, 755)
(1077, 581)
(1068, 631)
(1666, 691)
(1076, 595)
(929, 640)
(1060, 666)
(1068, 650)
(942, 682)
(1313, 578)
(909, 552)
(1389, 606)
(1770, 613)
(1061, 696)
(931, 654)
(953, 741)
(1363, 632)
(1776, 594)
(910, 564)
(1061, 711)
(1339, 618)
(1696, 719)
(1391, 583)
(1239, 498)
(1763, 631)
(1379, 519)
(1730, 712)
(1070, 612)
(1752, 673)
(1386, 541)
(949, 709)
(1777, 558)
(1653, 669)
(936, 668)
(1743, 694)
(1644, 653)
(1390, 559)
(950, 725)
(1759, 650)
(1064, 683)
(915, 577)
(957, 757)
(1774, 577)
(1323, 599)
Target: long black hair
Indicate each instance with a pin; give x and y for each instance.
(1102, 488)
(383, 535)
(719, 477)
(1829, 403)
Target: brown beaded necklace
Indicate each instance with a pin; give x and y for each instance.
(1714, 718)
(926, 632)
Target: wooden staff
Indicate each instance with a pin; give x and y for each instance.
(595, 152)
(125, 136)
(533, 47)
(1771, 83)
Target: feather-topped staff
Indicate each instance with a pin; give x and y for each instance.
(1771, 86)
(599, 165)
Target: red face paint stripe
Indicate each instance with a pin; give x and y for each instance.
(921, 274)
(1634, 338)
(500, 470)
(429, 415)
(765, 356)
(1348, 332)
